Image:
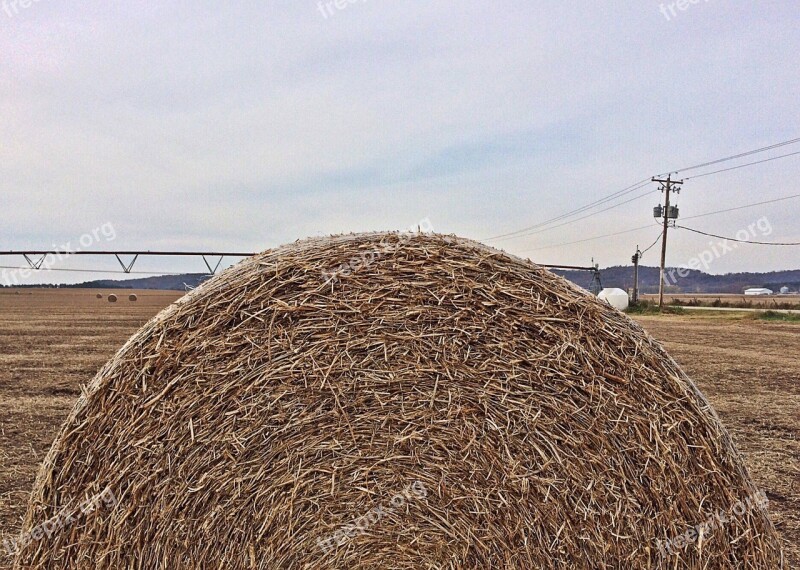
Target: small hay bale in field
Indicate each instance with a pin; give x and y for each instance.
(99, 295)
(133, 298)
(112, 298)
(438, 404)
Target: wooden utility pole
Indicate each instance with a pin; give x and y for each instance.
(666, 187)
(636, 257)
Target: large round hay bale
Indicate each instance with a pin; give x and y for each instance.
(112, 298)
(132, 298)
(394, 401)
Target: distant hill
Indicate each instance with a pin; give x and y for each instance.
(618, 276)
(162, 282)
(691, 282)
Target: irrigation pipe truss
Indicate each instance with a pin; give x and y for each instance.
(36, 258)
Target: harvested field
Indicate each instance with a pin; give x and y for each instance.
(750, 371)
(733, 301)
(53, 341)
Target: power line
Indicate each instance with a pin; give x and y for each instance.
(649, 225)
(614, 195)
(540, 230)
(637, 257)
(743, 207)
(733, 157)
(734, 239)
(637, 186)
(652, 244)
(742, 165)
(588, 239)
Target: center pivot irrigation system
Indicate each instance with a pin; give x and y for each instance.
(36, 260)
(36, 264)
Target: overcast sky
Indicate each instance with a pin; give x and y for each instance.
(245, 125)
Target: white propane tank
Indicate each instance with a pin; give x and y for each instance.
(617, 298)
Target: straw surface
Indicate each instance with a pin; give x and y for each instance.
(276, 416)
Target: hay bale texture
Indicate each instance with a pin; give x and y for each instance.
(132, 298)
(112, 298)
(438, 404)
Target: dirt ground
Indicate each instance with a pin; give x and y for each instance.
(52, 341)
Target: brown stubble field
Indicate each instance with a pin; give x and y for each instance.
(52, 341)
(765, 302)
(750, 371)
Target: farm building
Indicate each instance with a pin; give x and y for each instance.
(758, 291)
